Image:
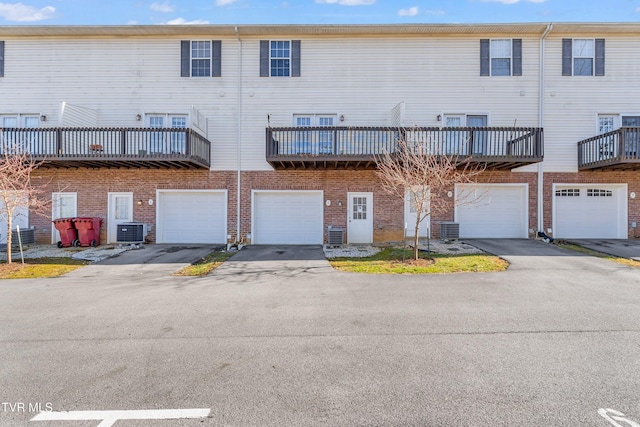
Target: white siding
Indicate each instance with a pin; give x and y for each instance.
(365, 78)
(572, 103)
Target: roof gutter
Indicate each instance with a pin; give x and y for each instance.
(541, 90)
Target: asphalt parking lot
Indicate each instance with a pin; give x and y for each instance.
(276, 337)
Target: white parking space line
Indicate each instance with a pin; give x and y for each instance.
(108, 418)
(614, 417)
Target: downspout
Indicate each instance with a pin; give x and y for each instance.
(239, 137)
(541, 125)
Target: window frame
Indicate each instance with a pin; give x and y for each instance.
(569, 57)
(267, 58)
(487, 57)
(187, 58)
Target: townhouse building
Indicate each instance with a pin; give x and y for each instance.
(268, 133)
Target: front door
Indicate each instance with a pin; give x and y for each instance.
(411, 214)
(63, 205)
(360, 218)
(120, 209)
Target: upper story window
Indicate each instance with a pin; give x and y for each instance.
(21, 121)
(167, 141)
(583, 57)
(501, 57)
(279, 58)
(200, 58)
(611, 122)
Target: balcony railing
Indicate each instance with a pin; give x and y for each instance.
(358, 147)
(616, 150)
(111, 147)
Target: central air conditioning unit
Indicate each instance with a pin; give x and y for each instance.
(131, 232)
(449, 230)
(335, 236)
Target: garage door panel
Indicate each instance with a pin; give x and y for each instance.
(498, 212)
(193, 217)
(590, 211)
(294, 217)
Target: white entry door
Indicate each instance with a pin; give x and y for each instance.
(411, 215)
(360, 218)
(120, 209)
(63, 205)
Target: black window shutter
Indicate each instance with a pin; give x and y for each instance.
(516, 48)
(1, 58)
(599, 69)
(185, 58)
(216, 58)
(485, 61)
(567, 46)
(295, 58)
(264, 58)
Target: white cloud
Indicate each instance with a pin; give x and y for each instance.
(412, 11)
(162, 7)
(435, 12)
(22, 13)
(348, 2)
(182, 21)
(637, 9)
(224, 2)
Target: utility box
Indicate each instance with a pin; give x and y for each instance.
(449, 230)
(335, 236)
(131, 232)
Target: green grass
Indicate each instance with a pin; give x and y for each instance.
(399, 261)
(205, 265)
(36, 268)
(577, 248)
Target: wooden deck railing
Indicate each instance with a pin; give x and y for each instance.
(106, 145)
(509, 147)
(619, 149)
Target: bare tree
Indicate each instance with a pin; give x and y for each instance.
(16, 188)
(421, 170)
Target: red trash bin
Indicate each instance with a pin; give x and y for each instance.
(88, 230)
(68, 232)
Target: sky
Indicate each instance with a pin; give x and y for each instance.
(194, 12)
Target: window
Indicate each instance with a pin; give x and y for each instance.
(279, 58)
(501, 57)
(457, 141)
(167, 141)
(28, 139)
(568, 192)
(316, 141)
(596, 192)
(201, 58)
(583, 57)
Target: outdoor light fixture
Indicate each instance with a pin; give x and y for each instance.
(439, 117)
(138, 117)
(43, 118)
(342, 117)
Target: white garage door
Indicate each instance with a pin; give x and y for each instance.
(288, 217)
(192, 217)
(492, 211)
(590, 211)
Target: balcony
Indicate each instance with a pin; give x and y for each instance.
(616, 150)
(358, 147)
(112, 147)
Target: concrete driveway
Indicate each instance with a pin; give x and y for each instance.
(150, 261)
(617, 247)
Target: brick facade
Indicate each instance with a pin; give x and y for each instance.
(93, 185)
